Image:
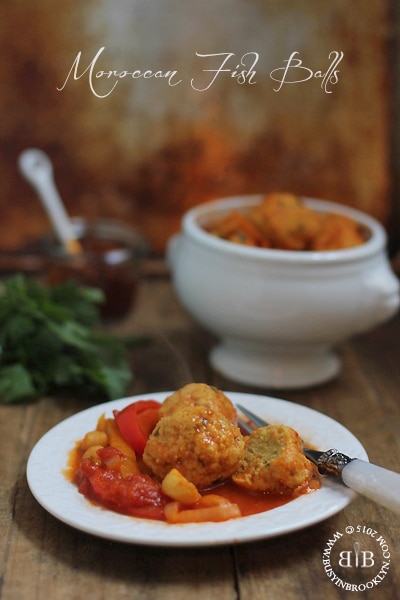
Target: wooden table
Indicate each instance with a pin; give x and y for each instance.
(43, 558)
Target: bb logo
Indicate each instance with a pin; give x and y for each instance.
(357, 559)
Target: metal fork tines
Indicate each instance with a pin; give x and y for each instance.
(330, 462)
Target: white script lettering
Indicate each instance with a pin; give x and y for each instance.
(242, 73)
(295, 72)
(113, 75)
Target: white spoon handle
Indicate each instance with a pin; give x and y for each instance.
(376, 483)
(37, 169)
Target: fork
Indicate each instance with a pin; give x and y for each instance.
(376, 483)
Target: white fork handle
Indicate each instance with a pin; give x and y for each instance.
(376, 483)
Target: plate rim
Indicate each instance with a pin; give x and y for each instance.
(86, 516)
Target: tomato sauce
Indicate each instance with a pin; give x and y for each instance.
(248, 502)
(137, 495)
(141, 495)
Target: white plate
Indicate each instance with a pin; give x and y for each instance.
(61, 499)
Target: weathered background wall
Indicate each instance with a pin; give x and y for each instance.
(148, 150)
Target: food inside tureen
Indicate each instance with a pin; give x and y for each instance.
(284, 222)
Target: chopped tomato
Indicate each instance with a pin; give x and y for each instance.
(137, 495)
(136, 422)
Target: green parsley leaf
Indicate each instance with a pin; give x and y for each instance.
(15, 383)
(50, 343)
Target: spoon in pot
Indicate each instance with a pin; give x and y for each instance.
(36, 167)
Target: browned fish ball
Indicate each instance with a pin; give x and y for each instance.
(200, 443)
(274, 462)
(285, 221)
(200, 394)
(338, 231)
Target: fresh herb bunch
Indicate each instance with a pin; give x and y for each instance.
(50, 342)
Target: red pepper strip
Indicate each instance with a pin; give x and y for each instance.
(136, 422)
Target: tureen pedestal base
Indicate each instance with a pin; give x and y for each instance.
(271, 367)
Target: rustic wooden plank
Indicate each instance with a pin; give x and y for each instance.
(42, 557)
